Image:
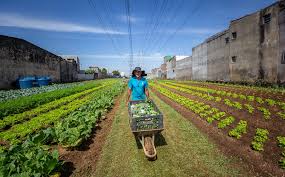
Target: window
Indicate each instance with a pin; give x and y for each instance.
(234, 35)
(266, 18)
(227, 39)
(234, 59)
(262, 33)
(283, 58)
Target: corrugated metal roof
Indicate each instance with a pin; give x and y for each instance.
(180, 57)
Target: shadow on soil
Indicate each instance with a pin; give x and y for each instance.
(158, 141)
(67, 169)
(86, 144)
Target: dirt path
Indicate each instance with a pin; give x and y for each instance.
(182, 151)
(82, 161)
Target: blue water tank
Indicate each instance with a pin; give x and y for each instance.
(43, 81)
(26, 82)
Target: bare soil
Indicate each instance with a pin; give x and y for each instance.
(259, 164)
(82, 161)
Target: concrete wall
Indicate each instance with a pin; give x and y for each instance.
(170, 67)
(245, 48)
(256, 47)
(21, 58)
(218, 57)
(184, 69)
(269, 44)
(280, 66)
(83, 77)
(199, 62)
(68, 71)
(163, 71)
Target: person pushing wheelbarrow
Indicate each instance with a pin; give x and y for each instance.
(137, 86)
(145, 119)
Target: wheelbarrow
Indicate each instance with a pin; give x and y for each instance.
(145, 129)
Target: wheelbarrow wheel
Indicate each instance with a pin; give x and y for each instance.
(149, 145)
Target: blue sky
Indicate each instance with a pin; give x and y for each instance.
(98, 32)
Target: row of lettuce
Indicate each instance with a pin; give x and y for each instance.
(275, 89)
(212, 113)
(250, 103)
(27, 135)
(6, 95)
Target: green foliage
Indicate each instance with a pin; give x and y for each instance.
(270, 102)
(116, 73)
(89, 71)
(234, 95)
(17, 118)
(282, 162)
(281, 141)
(266, 113)
(239, 129)
(226, 122)
(249, 108)
(18, 132)
(234, 104)
(143, 109)
(200, 108)
(261, 135)
(242, 97)
(13, 94)
(250, 98)
(104, 71)
(210, 119)
(25, 103)
(29, 159)
(282, 106)
(259, 100)
(281, 114)
(218, 99)
(78, 125)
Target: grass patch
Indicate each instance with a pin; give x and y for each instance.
(182, 150)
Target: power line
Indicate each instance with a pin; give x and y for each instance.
(128, 16)
(161, 12)
(172, 18)
(182, 25)
(105, 28)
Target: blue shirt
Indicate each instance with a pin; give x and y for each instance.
(138, 88)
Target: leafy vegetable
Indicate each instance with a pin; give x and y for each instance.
(29, 159)
(239, 129)
(226, 122)
(260, 137)
(281, 141)
(26, 103)
(13, 94)
(143, 109)
(266, 112)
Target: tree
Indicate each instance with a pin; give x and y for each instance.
(116, 73)
(104, 72)
(89, 71)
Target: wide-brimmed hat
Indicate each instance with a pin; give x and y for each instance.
(137, 69)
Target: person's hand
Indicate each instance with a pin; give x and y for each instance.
(148, 99)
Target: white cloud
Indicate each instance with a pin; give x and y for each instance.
(132, 18)
(151, 57)
(15, 20)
